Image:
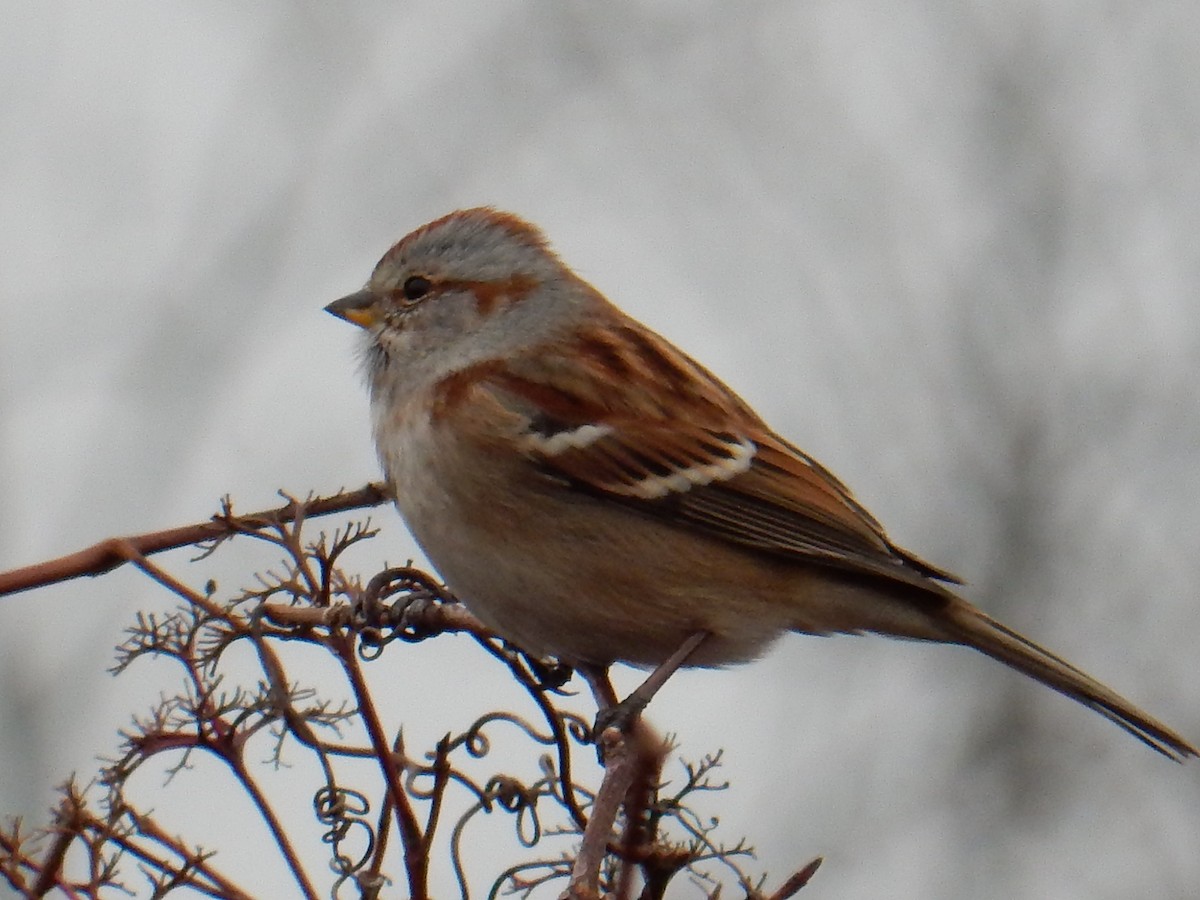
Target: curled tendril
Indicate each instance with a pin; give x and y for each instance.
(477, 743)
(556, 786)
(578, 728)
(379, 622)
(370, 650)
(512, 796)
(511, 880)
(343, 809)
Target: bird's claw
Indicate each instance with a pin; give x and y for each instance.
(620, 716)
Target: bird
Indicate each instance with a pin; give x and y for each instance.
(595, 495)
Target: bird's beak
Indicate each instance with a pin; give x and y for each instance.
(359, 308)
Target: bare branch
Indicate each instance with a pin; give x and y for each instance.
(109, 554)
(415, 818)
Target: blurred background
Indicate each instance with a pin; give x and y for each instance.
(950, 248)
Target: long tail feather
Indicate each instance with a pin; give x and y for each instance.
(971, 627)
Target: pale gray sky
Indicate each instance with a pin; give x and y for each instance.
(948, 247)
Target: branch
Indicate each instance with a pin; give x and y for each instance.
(113, 552)
(797, 881)
(433, 619)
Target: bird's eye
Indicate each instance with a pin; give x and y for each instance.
(416, 287)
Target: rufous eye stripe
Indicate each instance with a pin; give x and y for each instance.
(490, 295)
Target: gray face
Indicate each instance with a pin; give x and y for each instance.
(472, 287)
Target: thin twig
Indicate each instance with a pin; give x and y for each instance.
(149, 828)
(111, 553)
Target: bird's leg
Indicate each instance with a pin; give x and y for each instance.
(597, 679)
(621, 715)
(632, 757)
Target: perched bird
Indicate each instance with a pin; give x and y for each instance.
(594, 494)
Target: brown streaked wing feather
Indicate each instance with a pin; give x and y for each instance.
(645, 462)
(808, 503)
(711, 465)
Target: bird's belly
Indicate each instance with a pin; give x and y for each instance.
(587, 581)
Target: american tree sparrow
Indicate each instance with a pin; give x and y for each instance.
(595, 495)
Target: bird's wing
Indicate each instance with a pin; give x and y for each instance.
(655, 431)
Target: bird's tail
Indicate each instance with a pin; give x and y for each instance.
(967, 625)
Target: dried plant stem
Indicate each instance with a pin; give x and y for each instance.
(273, 824)
(218, 709)
(416, 863)
(225, 887)
(797, 881)
(620, 767)
(109, 554)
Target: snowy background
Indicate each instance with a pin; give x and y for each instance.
(950, 248)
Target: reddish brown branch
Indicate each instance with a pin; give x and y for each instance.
(620, 768)
(193, 866)
(274, 825)
(52, 863)
(797, 881)
(199, 863)
(113, 552)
